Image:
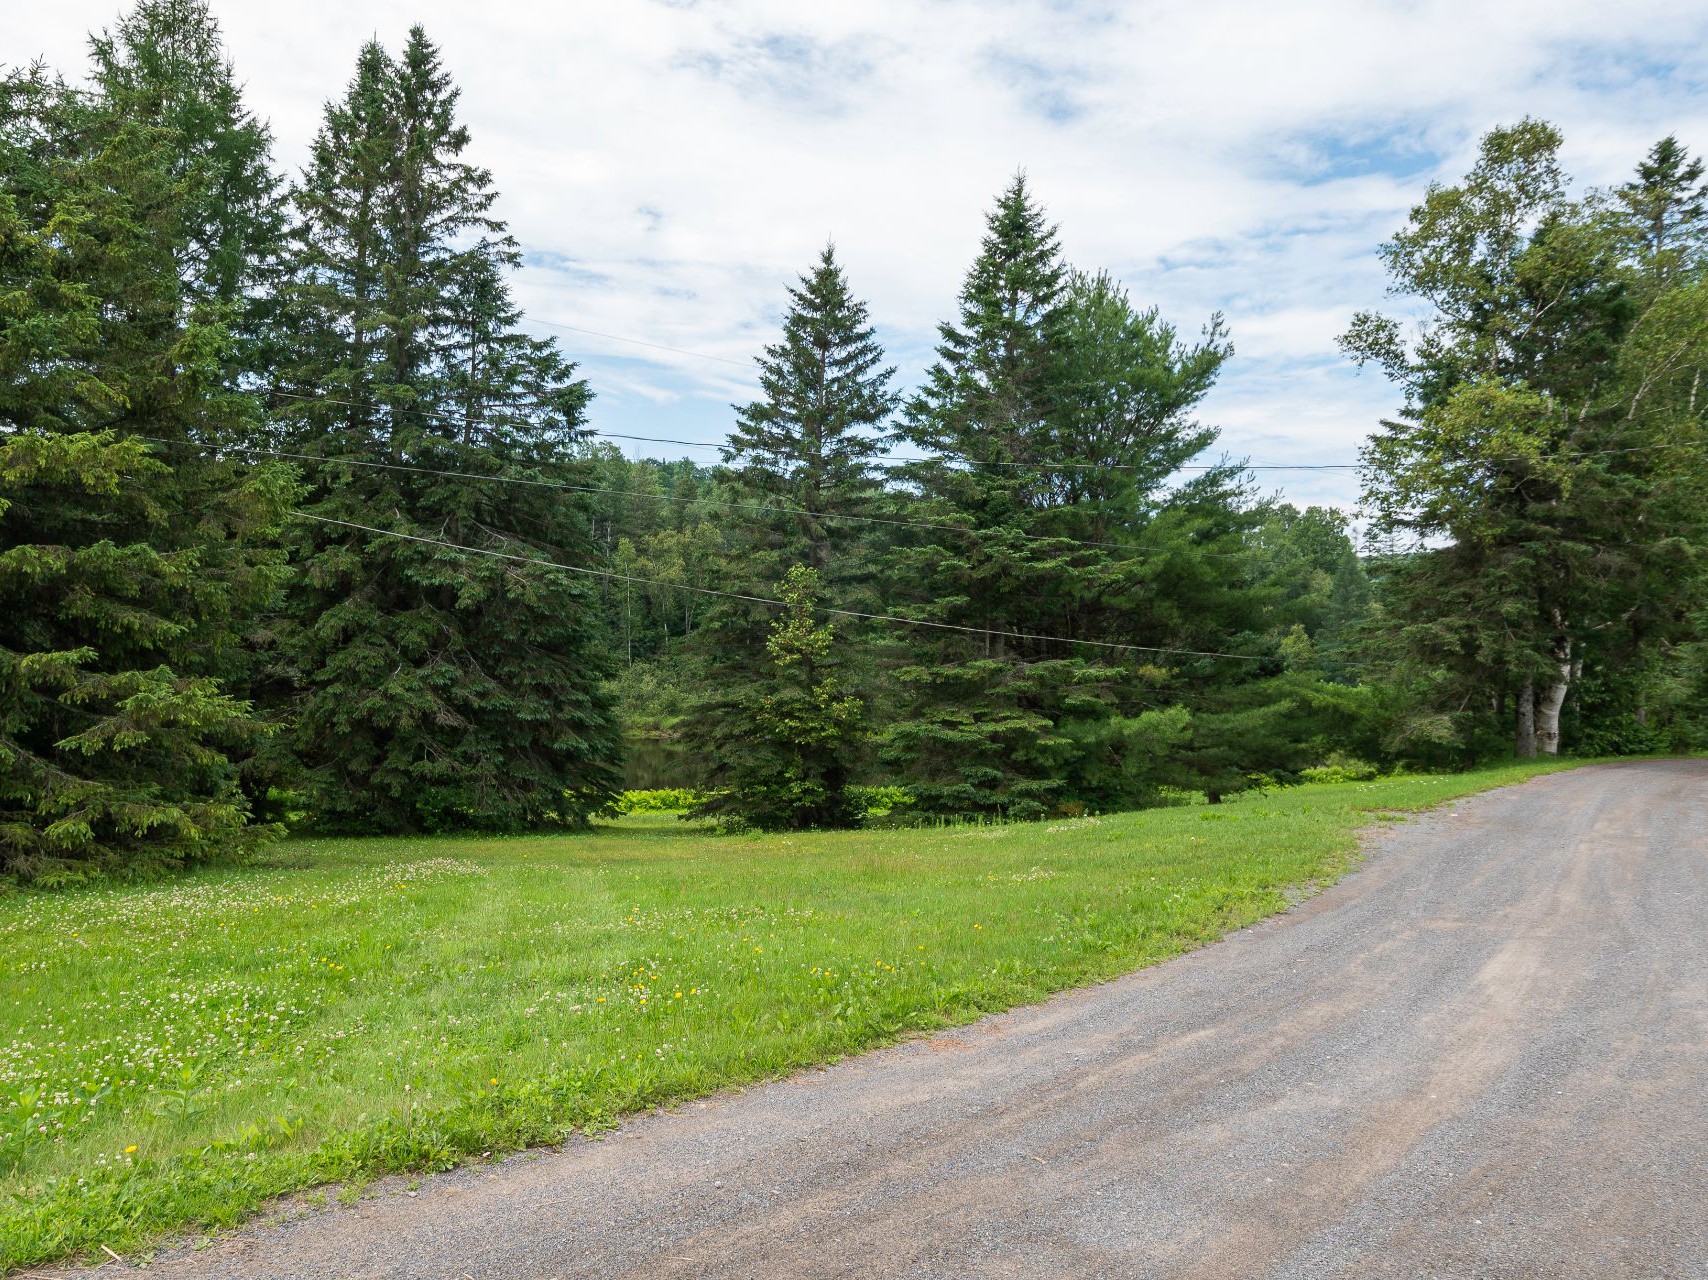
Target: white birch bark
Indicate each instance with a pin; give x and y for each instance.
(1552, 699)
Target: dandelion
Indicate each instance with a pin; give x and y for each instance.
(130, 1149)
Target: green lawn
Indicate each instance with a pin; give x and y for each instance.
(172, 1055)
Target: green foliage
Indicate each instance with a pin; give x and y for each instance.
(112, 746)
(874, 802)
(657, 800)
(361, 1007)
(129, 577)
(780, 724)
(1340, 768)
(430, 688)
(778, 749)
(882, 801)
(164, 65)
(808, 443)
(1667, 206)
(1045, 366)
(1537, 465)
(1096, 626)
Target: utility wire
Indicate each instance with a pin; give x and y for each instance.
(972, 533)
(463, 418)
(436, 415)
(767, 600)
(413, 469)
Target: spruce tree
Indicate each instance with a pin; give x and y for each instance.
(128, 569)
(808, 444)
(165, 65)
(434, 688)
(807, 448)
(1667, 203)
(778, 753)
(1055, 412)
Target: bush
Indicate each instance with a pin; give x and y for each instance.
(1620, 736)
(661, 800)
(880, 802)
(1341, 768)
(877, 802)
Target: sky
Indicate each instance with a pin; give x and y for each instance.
(669, 166)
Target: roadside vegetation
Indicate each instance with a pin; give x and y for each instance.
(334, 631)
(301, 525)
(172, 1055)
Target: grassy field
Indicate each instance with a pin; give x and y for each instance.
(173, 1055)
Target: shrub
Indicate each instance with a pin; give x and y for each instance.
(1340, 768)
(880, 802)
(661, 800)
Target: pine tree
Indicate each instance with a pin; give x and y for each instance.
(435, 688)
(989, 395)
(1667, 203)
(164, 65)
(338, 242)
(128, 574)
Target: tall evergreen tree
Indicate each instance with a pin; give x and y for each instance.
(989, 395)
(434, 688)
(809, 443)
(805, 448)
(164, 65)
(1667, 202)
(127, 575)
(1055, 413)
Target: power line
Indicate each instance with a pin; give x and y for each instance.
(906, 459)
(767, 600)
(463, 418)
(937, 527)
(437, 415)
(413, 469)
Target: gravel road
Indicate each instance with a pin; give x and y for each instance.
(1485, 1054)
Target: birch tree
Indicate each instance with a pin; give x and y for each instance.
(1519, 469)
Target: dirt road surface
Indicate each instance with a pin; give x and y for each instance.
(1483, 1055)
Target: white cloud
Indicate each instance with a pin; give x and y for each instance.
(670, 167)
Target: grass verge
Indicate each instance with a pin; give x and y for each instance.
(172, 1056)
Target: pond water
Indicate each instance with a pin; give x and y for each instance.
(650, 763)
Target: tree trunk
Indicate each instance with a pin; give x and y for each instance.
(1525, 740)
(1552, 699)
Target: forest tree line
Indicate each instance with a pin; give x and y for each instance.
(298, 523)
